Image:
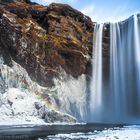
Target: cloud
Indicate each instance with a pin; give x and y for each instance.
(72, 1)
(102, 14)
(50, 1)
(46, 2)
(89, 10)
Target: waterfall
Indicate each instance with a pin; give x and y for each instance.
(121, 103)
(96, 83)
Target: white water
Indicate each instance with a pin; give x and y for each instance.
(96, 83)
(121, 102)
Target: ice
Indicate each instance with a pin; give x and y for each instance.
(126, 133)
(18, 107)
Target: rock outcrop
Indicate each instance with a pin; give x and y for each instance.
(45, 39)
(45, 51)
(106, 51)
(51, 116)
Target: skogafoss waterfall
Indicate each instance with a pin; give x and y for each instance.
(96, 83)
(117, 100)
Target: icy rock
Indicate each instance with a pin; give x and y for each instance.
(24, 107)
(37, 105)
(1, 103)
(56, 117)
(2, 85)
(20, 102)
(43, 111)
(5, 110)
(52, 116)
(14, 94)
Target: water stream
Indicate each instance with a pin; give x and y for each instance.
(119, 104)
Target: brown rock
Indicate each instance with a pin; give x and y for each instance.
(45, 39)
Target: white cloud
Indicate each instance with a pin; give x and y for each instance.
(46, 2)
(51, 1)
(102, 14)
(72, 1)
(88, 10)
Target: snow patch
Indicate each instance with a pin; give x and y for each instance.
(126, 133)
(18, 107)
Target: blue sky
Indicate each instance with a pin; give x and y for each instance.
(102, 10)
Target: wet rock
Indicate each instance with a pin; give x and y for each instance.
(42, 111)
(51, 116)
(106, 51)
(38, 105)
(56, 117)
(10, 103)
(2, 85)
(1, 103)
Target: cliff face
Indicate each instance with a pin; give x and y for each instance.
(45, 39)
(45, 53)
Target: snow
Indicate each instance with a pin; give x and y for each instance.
(126, 133)
(19, 120)
(18, 107)
(71, 90)
(18, 94)
(130, 133)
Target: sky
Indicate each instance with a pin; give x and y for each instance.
(101, 10)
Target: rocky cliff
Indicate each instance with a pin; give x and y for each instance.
(45, 51)
(45, 39)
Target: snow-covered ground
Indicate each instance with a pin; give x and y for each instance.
(18, 107)
(126, 133)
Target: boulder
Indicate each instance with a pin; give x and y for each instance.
(52, 116)
(57, 117)
(38, 105)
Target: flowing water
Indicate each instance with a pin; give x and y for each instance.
(96, 86)
(119, 104)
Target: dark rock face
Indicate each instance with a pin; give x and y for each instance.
(106, 51)
(45, 40)
(9, 1)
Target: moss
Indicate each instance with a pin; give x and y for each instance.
(60, 41)
(76, 26)
(87, 37)
(57, 40)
